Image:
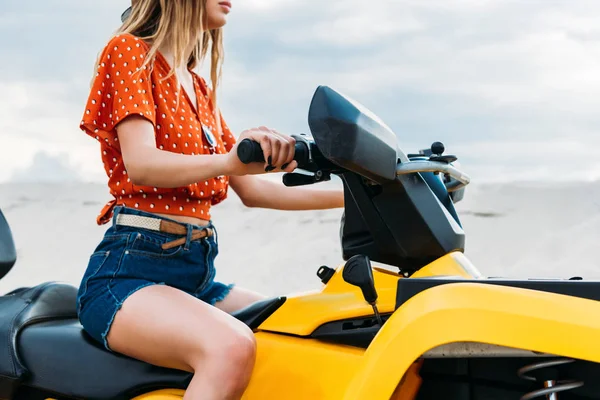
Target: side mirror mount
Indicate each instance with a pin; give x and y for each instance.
(358, 272)
(8, 252)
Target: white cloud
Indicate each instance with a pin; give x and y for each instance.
(413, 48)
(349, 24)
(47, 168)
(475, 74)
(40, 118)
(261, 6)
(18, 154)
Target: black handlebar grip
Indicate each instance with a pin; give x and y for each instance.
(250, 151)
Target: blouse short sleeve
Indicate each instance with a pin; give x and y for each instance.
(227, 136)
(122, 87)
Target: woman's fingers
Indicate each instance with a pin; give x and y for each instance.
(283, 149)
(290, 167)
(290, 154)
(272, 159)
(276, 145)
(278, 149)
(265, 144)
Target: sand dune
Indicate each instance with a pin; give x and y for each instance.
(518, 230)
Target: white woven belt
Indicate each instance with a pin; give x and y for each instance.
(154, 224)
(138, 221)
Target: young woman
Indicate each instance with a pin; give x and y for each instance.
(149, 290)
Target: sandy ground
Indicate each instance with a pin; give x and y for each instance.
(520, 230)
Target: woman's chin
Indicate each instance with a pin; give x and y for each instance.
(217, 22)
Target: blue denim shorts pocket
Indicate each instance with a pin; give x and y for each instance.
(96, 262)
(110, 247)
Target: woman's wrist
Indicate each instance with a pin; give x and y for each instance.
(222, 164)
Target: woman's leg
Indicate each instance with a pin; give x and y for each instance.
(237, 299)
(169, 328)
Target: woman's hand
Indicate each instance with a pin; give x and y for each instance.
(277, 148)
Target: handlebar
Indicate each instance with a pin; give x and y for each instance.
(309, 158)
(411, 167)
(250, 151)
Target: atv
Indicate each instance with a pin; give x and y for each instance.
(405, 316)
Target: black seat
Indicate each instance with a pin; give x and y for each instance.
(54, 355)
(61, 358)
(407, 288)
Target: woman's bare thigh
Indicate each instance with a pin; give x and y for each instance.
(237, 299)
(167, 327)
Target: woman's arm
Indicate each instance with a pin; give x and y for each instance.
(149, 166)
(261, 193)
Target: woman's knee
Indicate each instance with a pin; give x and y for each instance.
(241, 348)
(229, 360)
(233, 354)
(237, 348)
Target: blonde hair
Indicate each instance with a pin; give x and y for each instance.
(178, 24)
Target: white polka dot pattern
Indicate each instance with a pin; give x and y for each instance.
(124, 87)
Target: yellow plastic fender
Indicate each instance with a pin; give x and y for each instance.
(294, 368)
(303, 313)
(471, 312)
(167, 394)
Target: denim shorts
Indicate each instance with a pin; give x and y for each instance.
(128, 259)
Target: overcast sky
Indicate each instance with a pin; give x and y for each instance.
(510, 86)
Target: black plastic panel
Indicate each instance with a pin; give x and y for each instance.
(407, 288)
(255, 314)
(357, 332)
(352, 137)
(402, 223)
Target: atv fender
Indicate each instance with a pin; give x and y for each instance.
(471, 312)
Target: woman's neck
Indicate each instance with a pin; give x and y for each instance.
(167, 53)
(166, 49)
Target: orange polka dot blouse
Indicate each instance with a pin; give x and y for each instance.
(122, 87)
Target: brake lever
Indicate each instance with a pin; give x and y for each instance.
(296, 179)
